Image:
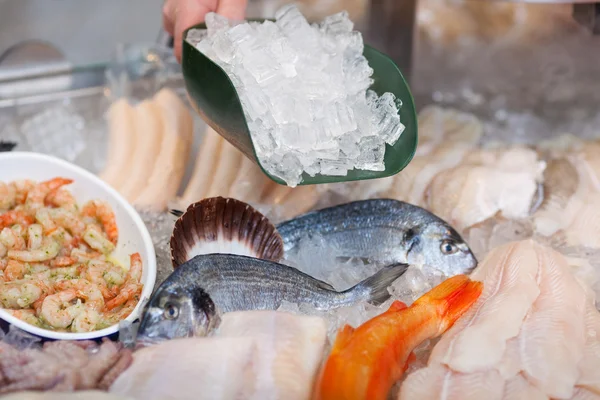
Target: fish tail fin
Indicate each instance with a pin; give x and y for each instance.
(220, 225)
(343, 337)
(377, 285)
(451, 299)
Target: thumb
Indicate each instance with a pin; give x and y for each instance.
(232, 9)
(187, 14)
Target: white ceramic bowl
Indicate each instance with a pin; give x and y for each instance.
(133, 235)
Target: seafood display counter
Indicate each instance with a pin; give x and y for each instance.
(471, 274)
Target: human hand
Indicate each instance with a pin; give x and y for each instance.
(179, 15)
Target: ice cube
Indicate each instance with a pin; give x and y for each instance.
(291, 21)
(351, 42)
(335, 167)
(288, 135)
(337, 24)
(223, 47)
(372, 151)
(348, 145)
(385, 119)
(357, 72)
(264, 70)
(255, 102)
(215, 23)
(241, 35)
(288, 168)
(195, 36)
(346, 117)
(282, 52)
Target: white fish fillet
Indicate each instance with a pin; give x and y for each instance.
(169, 166)
(120, 143)
(194, 369)
(258, 355)
(589, 367)
(486, 183)
(79, 395)
(445, 137)
(523, 339)
(207, 161)
(228, 165)
(290, 350)
(249, 182)
(148, 124)
(573, 216)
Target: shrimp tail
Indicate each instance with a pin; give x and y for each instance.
(451, 299)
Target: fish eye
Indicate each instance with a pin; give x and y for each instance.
(448, 247)
(171, 311)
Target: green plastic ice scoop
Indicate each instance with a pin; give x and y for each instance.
(215, 98)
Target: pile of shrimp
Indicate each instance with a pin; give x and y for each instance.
(55, 268)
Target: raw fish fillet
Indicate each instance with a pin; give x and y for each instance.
(290, 349)
(194, 368)
(207, 161)
(169, 166)
(80, 395)
(445, 136)
(148, 126)
(121, 143)
(257, 355)
(228, 165)
(525, 338)
(572, 216)
(485, 183)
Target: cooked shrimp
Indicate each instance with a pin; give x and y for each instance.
(36, 196)
(14, 270)
(83, 256)
(119, 314)
(34, 236)
(3, 250)
(106, 276)
(86, 321)
(15, 217)
(132, 288)
(68, 220)
(62, 198)
(102, 211)
(20, 295)
(85, 290)
(42, 216)
(8, 196)
(25, 315)
(22, 189)
(11, 239)
(59, 311)
(48, 251)
(62, 261)
(94, 237)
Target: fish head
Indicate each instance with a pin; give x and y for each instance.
(439, 246)
(176, 313)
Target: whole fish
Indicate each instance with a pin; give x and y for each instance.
(189, 301)
(365, 362)
(386, 231)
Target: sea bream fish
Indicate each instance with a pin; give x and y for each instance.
(189, 302)
(385, 231)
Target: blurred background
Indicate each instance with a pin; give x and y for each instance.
(529, 70)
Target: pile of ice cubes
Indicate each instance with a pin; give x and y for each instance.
(305, 92)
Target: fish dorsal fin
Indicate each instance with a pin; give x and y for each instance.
(325, 285)
(226, 226)
(342, 339)
(397, 305)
